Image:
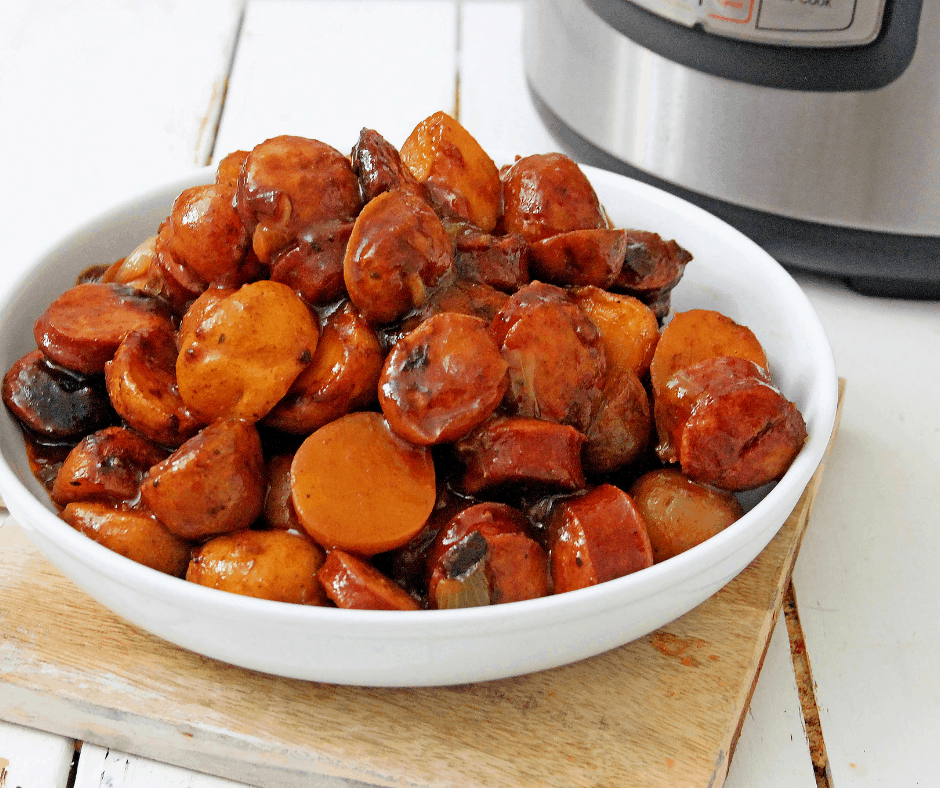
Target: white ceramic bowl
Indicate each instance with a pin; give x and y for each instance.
(729, 274)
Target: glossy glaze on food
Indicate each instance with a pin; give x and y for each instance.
(396, 380)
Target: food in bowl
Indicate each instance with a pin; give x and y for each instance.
(396, 380)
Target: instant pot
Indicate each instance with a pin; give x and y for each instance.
(813, 126)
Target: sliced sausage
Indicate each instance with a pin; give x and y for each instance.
(596, 537)
(313, 264)
(442, 380)
(521, 451)
(501, 261)
(342, 377)
(378, 165)
(55, 403)
(398, 249)
(106, 466)
(352, 583)
(82, 328)
(141, 381)
(557, 366)
(289, 184)
(579, 257)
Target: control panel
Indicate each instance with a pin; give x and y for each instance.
(812, 23)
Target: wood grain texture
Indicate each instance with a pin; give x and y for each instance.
(663, 710)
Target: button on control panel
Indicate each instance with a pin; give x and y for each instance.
(817, 23)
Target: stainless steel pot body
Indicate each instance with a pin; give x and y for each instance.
(867, 160)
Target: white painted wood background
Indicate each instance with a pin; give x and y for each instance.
(102, 98)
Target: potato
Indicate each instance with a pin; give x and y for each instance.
(461, 179)
(275, 565)
(629, 329)
(680, 513)
(133, 534)
(246, 352)
(212, 484)
(342, 377)
(700, 334)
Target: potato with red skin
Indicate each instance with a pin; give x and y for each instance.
(141, 382)
(82, 328)
(134, 534)
(579, 257)
(680, 513)
(342, 377)
(461, 180)
(397, 251)
(699, 334)
(290, 184)
(245, 354)
(212, 484)
(275, 565)
(557, 366)
(442, 380)
(727, 425)
(106, 467)
(516, 451)
(352, 583)
(359, 487)
(595, 537)
(547, 193)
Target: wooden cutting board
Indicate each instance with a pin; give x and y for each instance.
(665, 710)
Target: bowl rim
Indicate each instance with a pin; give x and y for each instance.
(32, 514)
